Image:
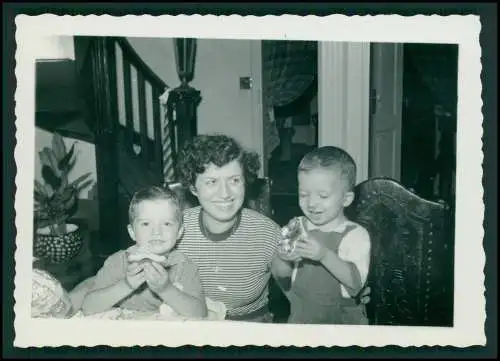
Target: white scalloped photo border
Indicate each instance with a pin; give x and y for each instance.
(469, 299)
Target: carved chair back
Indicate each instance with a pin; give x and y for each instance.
(412, 245)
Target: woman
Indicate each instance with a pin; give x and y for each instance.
(233, 246)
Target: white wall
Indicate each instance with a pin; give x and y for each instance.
(225, 108)
(54, 47)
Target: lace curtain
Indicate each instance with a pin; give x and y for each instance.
(289, 68)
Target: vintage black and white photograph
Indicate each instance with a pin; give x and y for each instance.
(223, 186)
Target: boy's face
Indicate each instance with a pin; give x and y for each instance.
(155, 227)
(323, 195)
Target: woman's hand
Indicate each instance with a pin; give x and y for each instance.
(310, 248)
(156, 277)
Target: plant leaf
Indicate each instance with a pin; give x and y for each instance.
(50, 177)
(80, 179)
(44, 156)
(64, 164)
(67, 194)
(40, 188)
(64, 183)
(39, 197)
(84, 185)
(68, 205)
(40, 223)
(58, 147)
(48, 190)
(72, 210)
(53, 161)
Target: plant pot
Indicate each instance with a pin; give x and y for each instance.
(57, 249)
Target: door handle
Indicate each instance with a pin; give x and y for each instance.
(373, 101)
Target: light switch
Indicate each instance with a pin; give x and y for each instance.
(245, 82)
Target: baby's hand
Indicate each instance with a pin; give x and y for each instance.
(135, 276)
(287, 255)
(310, 248)
(156, 277)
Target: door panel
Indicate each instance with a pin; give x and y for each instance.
(387, 97)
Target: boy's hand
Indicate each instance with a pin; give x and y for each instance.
(135, 276)
(156, 277)
(310, 248)
(364, 296)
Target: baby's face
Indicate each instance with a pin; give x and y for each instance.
(322, 195)
(155, 227)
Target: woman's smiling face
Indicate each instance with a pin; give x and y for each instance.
(221, 191)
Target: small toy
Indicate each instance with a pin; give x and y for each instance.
(291, 233)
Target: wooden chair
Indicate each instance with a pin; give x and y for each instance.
(411, 271)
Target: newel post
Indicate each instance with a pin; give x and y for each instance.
(183, 101)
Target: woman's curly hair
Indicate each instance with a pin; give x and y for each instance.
(219, 150)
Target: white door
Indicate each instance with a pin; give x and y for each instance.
(386, 105)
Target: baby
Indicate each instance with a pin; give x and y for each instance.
(150, 273)
(327, 256)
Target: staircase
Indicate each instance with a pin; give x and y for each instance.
(109, 97)
(59, 106)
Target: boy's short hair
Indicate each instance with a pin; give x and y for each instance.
(334, 158)
(151, 194)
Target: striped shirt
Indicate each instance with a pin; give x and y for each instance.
(235, 270)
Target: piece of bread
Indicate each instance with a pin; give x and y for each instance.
(139, 256)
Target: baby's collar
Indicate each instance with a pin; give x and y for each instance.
(328, 227)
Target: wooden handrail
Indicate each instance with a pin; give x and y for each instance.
(139, 64)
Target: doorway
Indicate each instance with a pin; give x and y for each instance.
(430, 88)
(413, 116)
(290, 116)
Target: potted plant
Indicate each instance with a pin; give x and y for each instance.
(55, 201)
